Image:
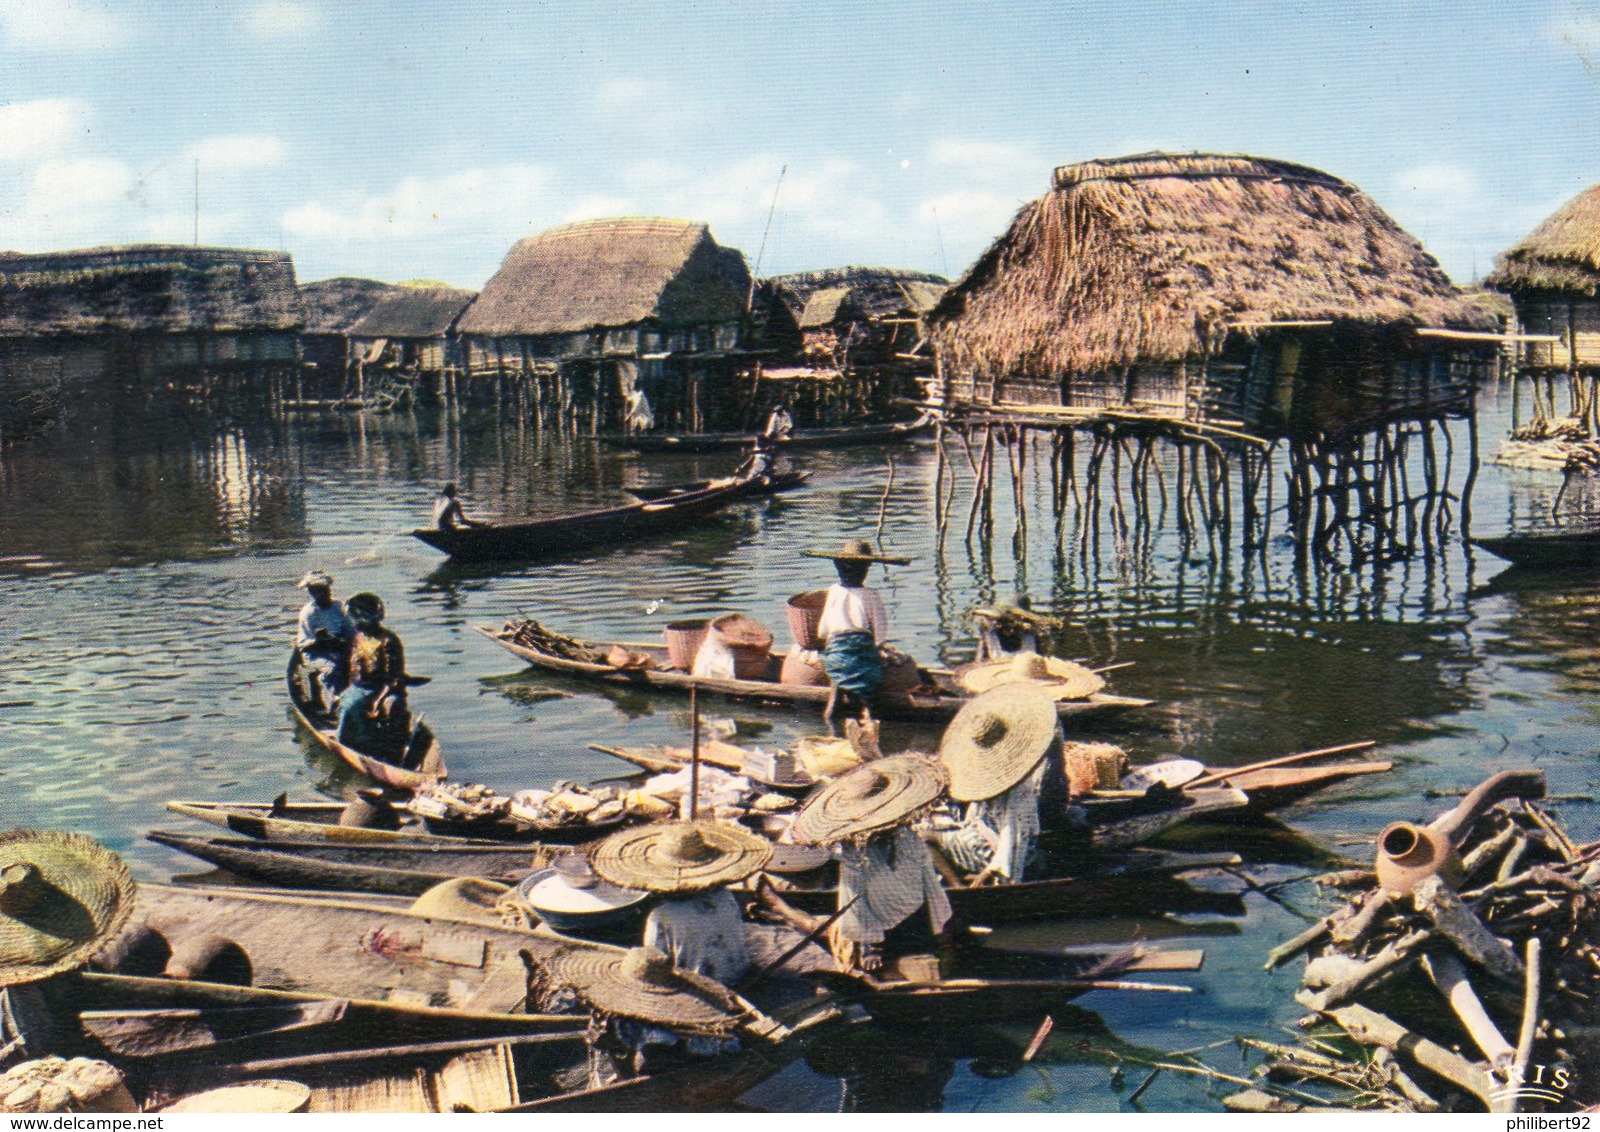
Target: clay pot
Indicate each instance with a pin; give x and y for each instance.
(1409, 854)
(798, 669)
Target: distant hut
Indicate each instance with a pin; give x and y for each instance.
(152, 305)
(329, 308)
(598, 313)
(850, 337)
(1248, 293)
(1553, 277)
(411, 330)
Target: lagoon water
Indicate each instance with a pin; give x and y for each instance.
(147, 602)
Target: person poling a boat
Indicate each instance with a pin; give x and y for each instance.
(894, 902)
(377, 691)
(448, 514)
(698, 924)
(853, 626)
(323, 635)
(996, 751)
(759, 463)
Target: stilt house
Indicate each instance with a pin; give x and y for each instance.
(329, 308)
(411, 328)
(1249, 293)
(591, 315)
(1553, 277)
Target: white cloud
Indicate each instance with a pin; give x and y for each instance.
(423, 206)
(281, 19)
(231, 153)
(1441, 188)
(78, 182)
(60, 25)
(988, 162)
(42, 128)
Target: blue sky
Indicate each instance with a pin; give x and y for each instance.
(421, 139)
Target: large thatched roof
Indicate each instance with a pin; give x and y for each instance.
(333, 306)
(611, 273)
(147, 287)
(1561, 255)
(1154, 257)
(817, 298)
(413, 312)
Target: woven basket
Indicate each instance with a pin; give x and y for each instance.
(749, 642)
(683, 641)
(805, 613)
(1093, 766)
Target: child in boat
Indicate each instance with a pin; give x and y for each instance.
(323, 634)
(853, 626)
(698, 923)
(377, 690)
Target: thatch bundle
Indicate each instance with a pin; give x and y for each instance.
(147, 287)
(1153, 258)
(602, 273)
(333, 306)
(413, 312)
(1560, 255)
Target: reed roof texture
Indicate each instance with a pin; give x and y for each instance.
(333, 306)
(413, 312)
(1561, 255)
(619, 272)
(147, 287)
(1152, 258)
(817, 298)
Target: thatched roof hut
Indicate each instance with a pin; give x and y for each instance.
(1560, 256)
(333, 306)
(819, 298)
(413, 312)
(611, 273)
(147, 288)
(1155, 257)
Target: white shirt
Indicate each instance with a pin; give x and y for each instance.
(703, 933)
(330, 617)
(853, 609)
(892, 877)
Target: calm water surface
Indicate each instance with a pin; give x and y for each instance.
(147, 600)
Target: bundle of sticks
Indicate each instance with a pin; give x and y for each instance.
(530, 634)
(1474, 988)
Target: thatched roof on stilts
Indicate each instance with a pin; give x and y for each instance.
(1561, 255)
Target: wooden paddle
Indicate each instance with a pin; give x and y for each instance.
(1268, 764)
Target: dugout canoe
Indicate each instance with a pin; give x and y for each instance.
(843, 436)
(1570, 550)
(765, 485)
(319, 822)
(565, 535)
(939, 698)
(420, 761)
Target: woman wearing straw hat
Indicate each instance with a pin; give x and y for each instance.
(996, 752)
(698, 924)
(322, 634)
(887, 879)
(853, 624)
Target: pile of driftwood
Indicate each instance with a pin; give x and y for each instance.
(1462, 975)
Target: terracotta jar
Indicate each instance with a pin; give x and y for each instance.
(1409, 854)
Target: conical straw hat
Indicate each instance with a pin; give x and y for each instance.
(461, 898)
(62, 896)
(1062, 679)
(642, 983)
(874, 796)
(996, 740)
(680, 856)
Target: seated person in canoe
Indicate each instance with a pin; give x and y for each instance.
(448, 514)
(698, 923)
(853, 627)
(372, 709)
(323, 635)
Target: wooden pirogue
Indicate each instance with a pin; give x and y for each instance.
(1566, 550)
(770, 484)
(842, 436)
(418, 762)
(564, 535)
(312, 821)
(942, 698)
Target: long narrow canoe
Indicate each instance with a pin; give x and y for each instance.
(916, 705)
(1566, 551)
(565, 535)
(844, 436)
(319, 822)
(420, 763)
(767, 485)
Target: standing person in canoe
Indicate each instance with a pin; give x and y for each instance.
(323, 635)
(698, 923)
(448, 514)
(894, 901)
(376, 696)
(853, 626)
(996, 751)
(780, 425)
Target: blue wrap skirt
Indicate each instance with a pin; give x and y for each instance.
(853, 664)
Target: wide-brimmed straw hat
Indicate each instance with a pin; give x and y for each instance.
(680, 856)
(874, 796)
(316, 579)
(62, 896)
(641, 983)
(997, 739)
(1062, 679)
(856, 550)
